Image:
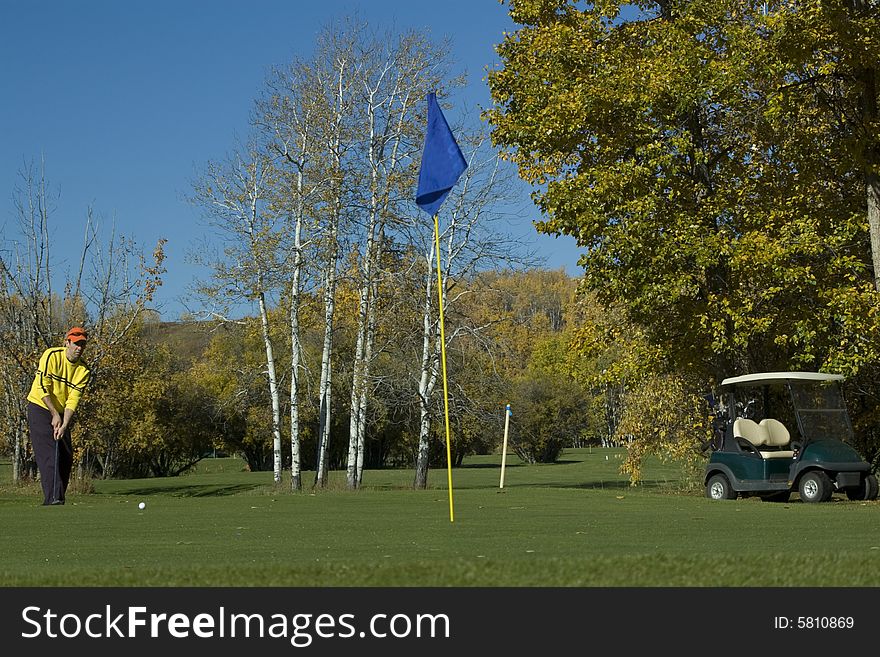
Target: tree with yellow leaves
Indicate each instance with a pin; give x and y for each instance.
(718, 162)
(712, 158)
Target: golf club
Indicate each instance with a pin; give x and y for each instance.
(55, 477)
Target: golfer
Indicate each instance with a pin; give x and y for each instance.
(60, 380)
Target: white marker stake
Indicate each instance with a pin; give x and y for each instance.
(504, 444)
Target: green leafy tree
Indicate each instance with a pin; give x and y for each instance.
(549, 414)
(704, 157)
(717, 161)
(142, 416)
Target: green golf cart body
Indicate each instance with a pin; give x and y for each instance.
(786, 432)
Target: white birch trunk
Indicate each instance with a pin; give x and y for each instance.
(358, 382)
(369, 285)
(357, 402)
(296, 351)
(428, 378)
(362, 407)
(326, 386)
(359, 373)
(361, 358)
(872, 158)
(273, 391)
(295, 355)
(336, 203)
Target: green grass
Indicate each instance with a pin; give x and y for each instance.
(576, 523)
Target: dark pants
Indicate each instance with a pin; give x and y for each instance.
(54, 457)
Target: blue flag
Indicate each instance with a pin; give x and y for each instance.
(442, 161)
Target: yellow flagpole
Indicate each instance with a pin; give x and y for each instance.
(443, 362)
(504, 447)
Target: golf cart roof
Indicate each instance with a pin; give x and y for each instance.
(762, 378)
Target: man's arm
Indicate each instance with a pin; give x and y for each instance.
(57, 422)
(68, 413)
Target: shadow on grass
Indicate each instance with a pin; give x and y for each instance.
(598, 484)
(497, 466)
(191, 490)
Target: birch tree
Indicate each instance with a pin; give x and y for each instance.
(289, 116)
(345, 126)
(335, 71)
(235, 196)
(389, 95)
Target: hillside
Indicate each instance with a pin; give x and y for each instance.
(187, 340)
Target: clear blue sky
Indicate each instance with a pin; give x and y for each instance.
(127, 99)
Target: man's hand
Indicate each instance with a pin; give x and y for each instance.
(64, 423)
(57, 426)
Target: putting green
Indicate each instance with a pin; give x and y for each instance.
(576, 523)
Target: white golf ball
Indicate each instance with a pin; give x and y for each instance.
(142, 505)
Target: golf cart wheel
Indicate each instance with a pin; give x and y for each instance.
(718, 488)
(815, 486)
(873, 487)
(867, 489)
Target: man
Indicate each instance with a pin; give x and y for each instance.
(60, 380)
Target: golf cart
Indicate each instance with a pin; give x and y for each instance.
(782, 432)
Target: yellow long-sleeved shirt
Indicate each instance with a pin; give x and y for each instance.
(60, 379)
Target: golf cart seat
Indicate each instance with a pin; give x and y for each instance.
(777, 438)
(749, 430)
(777, 434)
(770, 433)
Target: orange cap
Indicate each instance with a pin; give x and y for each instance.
(76, 334)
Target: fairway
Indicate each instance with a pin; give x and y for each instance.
(576, 523)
